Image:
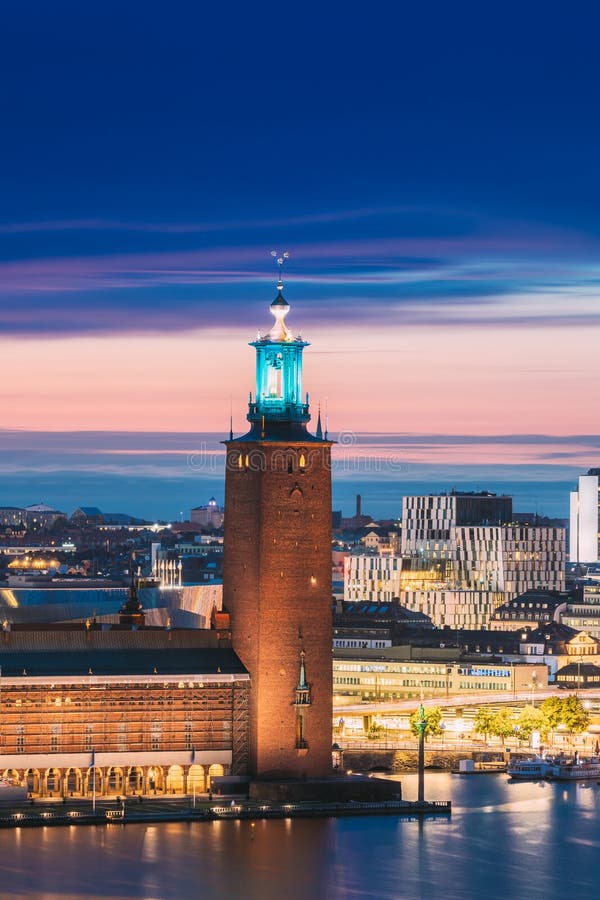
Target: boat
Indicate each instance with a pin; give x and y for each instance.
(531, 768)
(574, 769)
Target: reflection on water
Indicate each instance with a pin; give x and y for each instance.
(504, 840)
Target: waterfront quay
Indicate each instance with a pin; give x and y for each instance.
(39, 815)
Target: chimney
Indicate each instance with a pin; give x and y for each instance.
(358, 506)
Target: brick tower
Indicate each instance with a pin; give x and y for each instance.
(277, 563)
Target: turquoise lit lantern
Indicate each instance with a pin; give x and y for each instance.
(279, 371)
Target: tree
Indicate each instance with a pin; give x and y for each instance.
(531, 719)
(552, 709)
(433, 718)
(574, 716)
(502, 724)
(483, 722)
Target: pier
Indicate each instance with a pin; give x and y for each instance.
(113, 813)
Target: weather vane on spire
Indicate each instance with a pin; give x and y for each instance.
(280, 259)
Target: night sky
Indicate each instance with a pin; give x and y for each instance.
(433, 170)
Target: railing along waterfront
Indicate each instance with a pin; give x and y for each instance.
(244, 811)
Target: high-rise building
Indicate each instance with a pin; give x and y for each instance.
(462, 557)
(277, 562)
(431, 518)
(584, 532)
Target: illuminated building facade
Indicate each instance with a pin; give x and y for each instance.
(475, 566)
(140, 710)
(584, 531)
(383, 676)
(277, 563)
(12, 516)
(582, 610)
(529, 610)
(209, 516)
(375, 578)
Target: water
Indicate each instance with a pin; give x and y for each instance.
(524, 840)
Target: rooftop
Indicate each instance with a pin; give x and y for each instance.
(80, 651)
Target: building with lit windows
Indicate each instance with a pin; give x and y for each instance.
(584, 530)
(466, 558)
(393, 674)
(582, 610)
(372, 578)
(126, 709)
(12, 516)
(137, 710)
(559, 645)
(530, 610)
(210, 516)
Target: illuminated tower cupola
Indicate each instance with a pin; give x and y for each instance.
(278, 397)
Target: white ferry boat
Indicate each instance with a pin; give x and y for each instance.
(529, 768)
(574, 769)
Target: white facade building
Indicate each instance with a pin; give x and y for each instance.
(474, 559)
(210, 516)
(374, 578)
(585, 519)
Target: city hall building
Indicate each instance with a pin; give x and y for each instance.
(131, 710)
(123, 710)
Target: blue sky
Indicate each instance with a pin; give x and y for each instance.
(433, 170)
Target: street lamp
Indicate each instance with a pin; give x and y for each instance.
(421, 726)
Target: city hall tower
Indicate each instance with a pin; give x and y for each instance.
(277, 562)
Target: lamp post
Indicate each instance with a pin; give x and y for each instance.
(421, 726)
(93, 781)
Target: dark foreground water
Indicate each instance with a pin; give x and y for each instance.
(504, 840)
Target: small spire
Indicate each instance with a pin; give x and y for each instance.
(230, 427)
(319, 431)
(302, 685)
(302, 693)
(132, 613)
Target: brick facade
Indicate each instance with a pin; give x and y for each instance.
(277, 587)
(149, 710)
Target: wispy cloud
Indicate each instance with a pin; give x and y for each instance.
(528, 275)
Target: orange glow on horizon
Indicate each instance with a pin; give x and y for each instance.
(420, 380)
